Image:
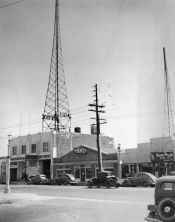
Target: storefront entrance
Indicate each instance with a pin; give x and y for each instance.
(82, 173)
(46, 168)
(13, 174)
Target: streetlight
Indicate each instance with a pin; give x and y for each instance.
(119, 161)
(7, 187)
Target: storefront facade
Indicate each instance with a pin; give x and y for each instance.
(32, 154)
(82, 162)
(156, 157)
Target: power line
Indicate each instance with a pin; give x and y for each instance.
(12, 3)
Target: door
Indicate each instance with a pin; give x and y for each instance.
(13, 174)
(82, 173)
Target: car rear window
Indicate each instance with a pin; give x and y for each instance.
(168, 186)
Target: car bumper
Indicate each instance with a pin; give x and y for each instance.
(73, 183)
(152, 219)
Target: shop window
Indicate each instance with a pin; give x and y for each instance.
(24, 149)
(45, 147)
(14, 150)
(110, 169)
(32, 162)
(88, 172)
(77, 173)
(33, 148)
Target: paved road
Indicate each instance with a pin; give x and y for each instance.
(77, 203)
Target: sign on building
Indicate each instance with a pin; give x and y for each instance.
(162, 156)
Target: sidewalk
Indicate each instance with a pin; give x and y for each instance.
(9, 198)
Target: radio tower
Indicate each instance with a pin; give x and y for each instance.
(168, 103)
(56, 116)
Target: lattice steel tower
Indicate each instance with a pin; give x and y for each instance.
(56, 114)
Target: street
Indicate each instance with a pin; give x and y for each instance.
(77, 203)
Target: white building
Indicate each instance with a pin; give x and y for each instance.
(32, 154)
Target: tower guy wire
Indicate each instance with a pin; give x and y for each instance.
(12, 3)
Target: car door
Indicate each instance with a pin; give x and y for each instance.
(140, 179)
(134, 179)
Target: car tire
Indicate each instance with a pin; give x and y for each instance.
(166, 210)
(145, 184)
(125, 184)
(65, 183)
(89, 184)
(116, 185)
(108, 185)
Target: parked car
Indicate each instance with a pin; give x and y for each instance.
(3, 179)
(104, 178)
(140, 179)
(38, 179)
(172, 173)
(163, 209)
(64, 179)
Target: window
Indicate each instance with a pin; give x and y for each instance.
(32, 163)
(77, 173)
(168, 186)
(88, 172)
(33, 148)
(14, 150)
(45, 147)
(24, 149)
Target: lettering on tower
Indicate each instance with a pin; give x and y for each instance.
(51, 117)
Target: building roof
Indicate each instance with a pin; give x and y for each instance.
(84, 153)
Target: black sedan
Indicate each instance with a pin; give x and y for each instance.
(38, 179)
(104, 178)
(64, 179)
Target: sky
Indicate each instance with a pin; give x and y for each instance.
(116, 44)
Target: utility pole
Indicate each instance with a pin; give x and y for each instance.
(7, 187)
(97, 111)
(119, 160)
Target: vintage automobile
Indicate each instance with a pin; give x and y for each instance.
(140, 179)
(163, 210)
(38, 179)
(104, 178)
(64, 179)
(2, 179)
